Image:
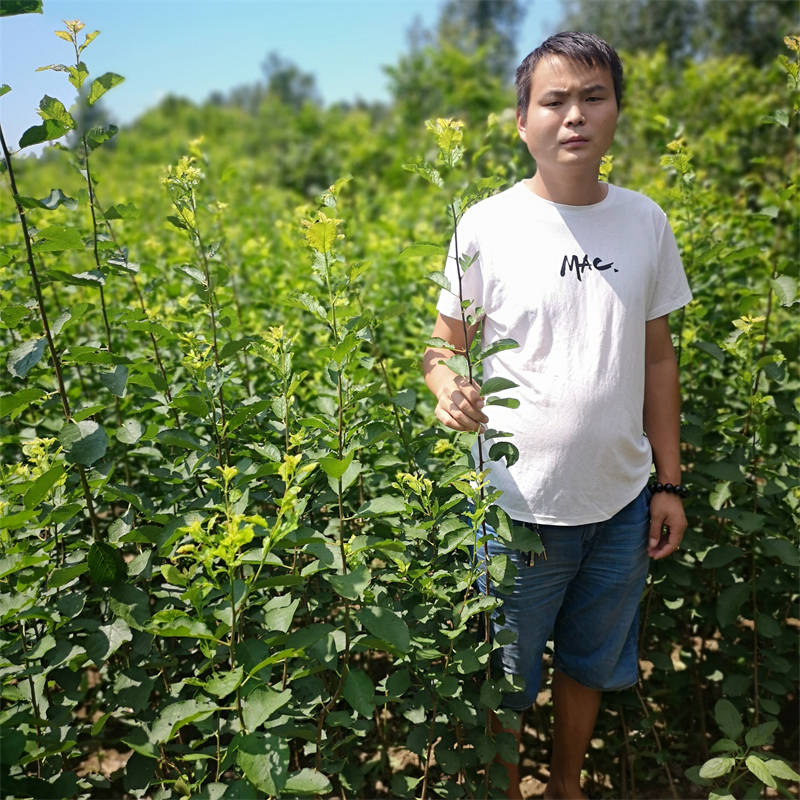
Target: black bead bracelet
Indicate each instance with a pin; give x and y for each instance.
(670, 488)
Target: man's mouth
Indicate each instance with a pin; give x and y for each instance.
(573, 139)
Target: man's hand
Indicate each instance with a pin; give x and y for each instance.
(667, 524)
(459, 405)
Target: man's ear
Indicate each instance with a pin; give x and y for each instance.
(521, 125)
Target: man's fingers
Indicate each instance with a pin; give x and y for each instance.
(458, 423)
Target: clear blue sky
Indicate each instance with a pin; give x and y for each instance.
(193, 47)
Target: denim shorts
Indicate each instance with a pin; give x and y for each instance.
(583, 594)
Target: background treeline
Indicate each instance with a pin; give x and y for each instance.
(234, 548)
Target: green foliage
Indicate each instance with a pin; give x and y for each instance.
(232, 545)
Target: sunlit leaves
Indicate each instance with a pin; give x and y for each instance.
(101, 85)
(84, 442)
(25, 356)
(322, 232)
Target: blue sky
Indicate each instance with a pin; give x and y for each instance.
(192, 47)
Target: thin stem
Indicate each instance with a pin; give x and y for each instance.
(660, 749)
(56, 361)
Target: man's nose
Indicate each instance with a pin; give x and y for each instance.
(575, 114)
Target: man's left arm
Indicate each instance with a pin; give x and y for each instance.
(662, 426)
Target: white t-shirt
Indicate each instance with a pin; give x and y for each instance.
(574, 286)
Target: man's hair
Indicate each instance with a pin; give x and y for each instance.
(585, 48)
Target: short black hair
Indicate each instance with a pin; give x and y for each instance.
(585, 48)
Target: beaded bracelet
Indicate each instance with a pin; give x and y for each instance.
(670, 488)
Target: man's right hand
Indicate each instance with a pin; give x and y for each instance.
(459, 405)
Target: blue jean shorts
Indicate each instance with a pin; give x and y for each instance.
(583, 594)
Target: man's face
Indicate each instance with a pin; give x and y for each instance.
(572, 114)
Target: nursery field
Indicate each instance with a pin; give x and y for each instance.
(235, 551)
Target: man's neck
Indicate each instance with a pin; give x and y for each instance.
(570, 190)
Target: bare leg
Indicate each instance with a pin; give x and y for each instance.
(575, 710)
(512, 770)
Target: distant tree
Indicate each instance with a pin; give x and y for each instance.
(754, 28)
(288, 82)
(464, 65)
(696, 28)
(489, 24)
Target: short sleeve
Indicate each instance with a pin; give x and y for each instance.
(670, 290)
(468, 255)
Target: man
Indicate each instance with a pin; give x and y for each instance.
(582, 274)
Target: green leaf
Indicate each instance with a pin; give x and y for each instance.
(440, 279)
(761, 734)
(46, 132)
(728, 718)
(721, 493)
(496, 385)
(359, 691)
(780, 769)
(351, 585)
(261, 703)
(717, 767)
(25, 356)
(116, 380)
(279, 612)
(729, 601)
(334, 467)
(760, 770)
(498, 347)
(130, 431)
(458, 364)
(84, 442)
(57, 198)
(725, 746)
(99, 134)
(130, 603)
(506, 402)
(382, 506)
(720, 555)
(57, 238)
(264, 760)
(172, 622)
(106, 640)
(406, 398)
(106, 565)
(504, 450)
(223, 684)
(60, 321)
(87, 40)
(9, 8)
(42, 485)
(387, 625)
(50, 108)
(426, 171)
(19, 561)
(424, 249)
(101, 85)
(77, 74)
(124, 210)
(307, 781)
(5, 88)
(785, 288)
(781, 549)
(174, 716)
(64, 575)
(15, 404)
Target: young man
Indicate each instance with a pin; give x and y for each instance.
(582, 274)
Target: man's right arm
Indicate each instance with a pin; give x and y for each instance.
(459, 402)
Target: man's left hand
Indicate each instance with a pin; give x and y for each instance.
(667, 524)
